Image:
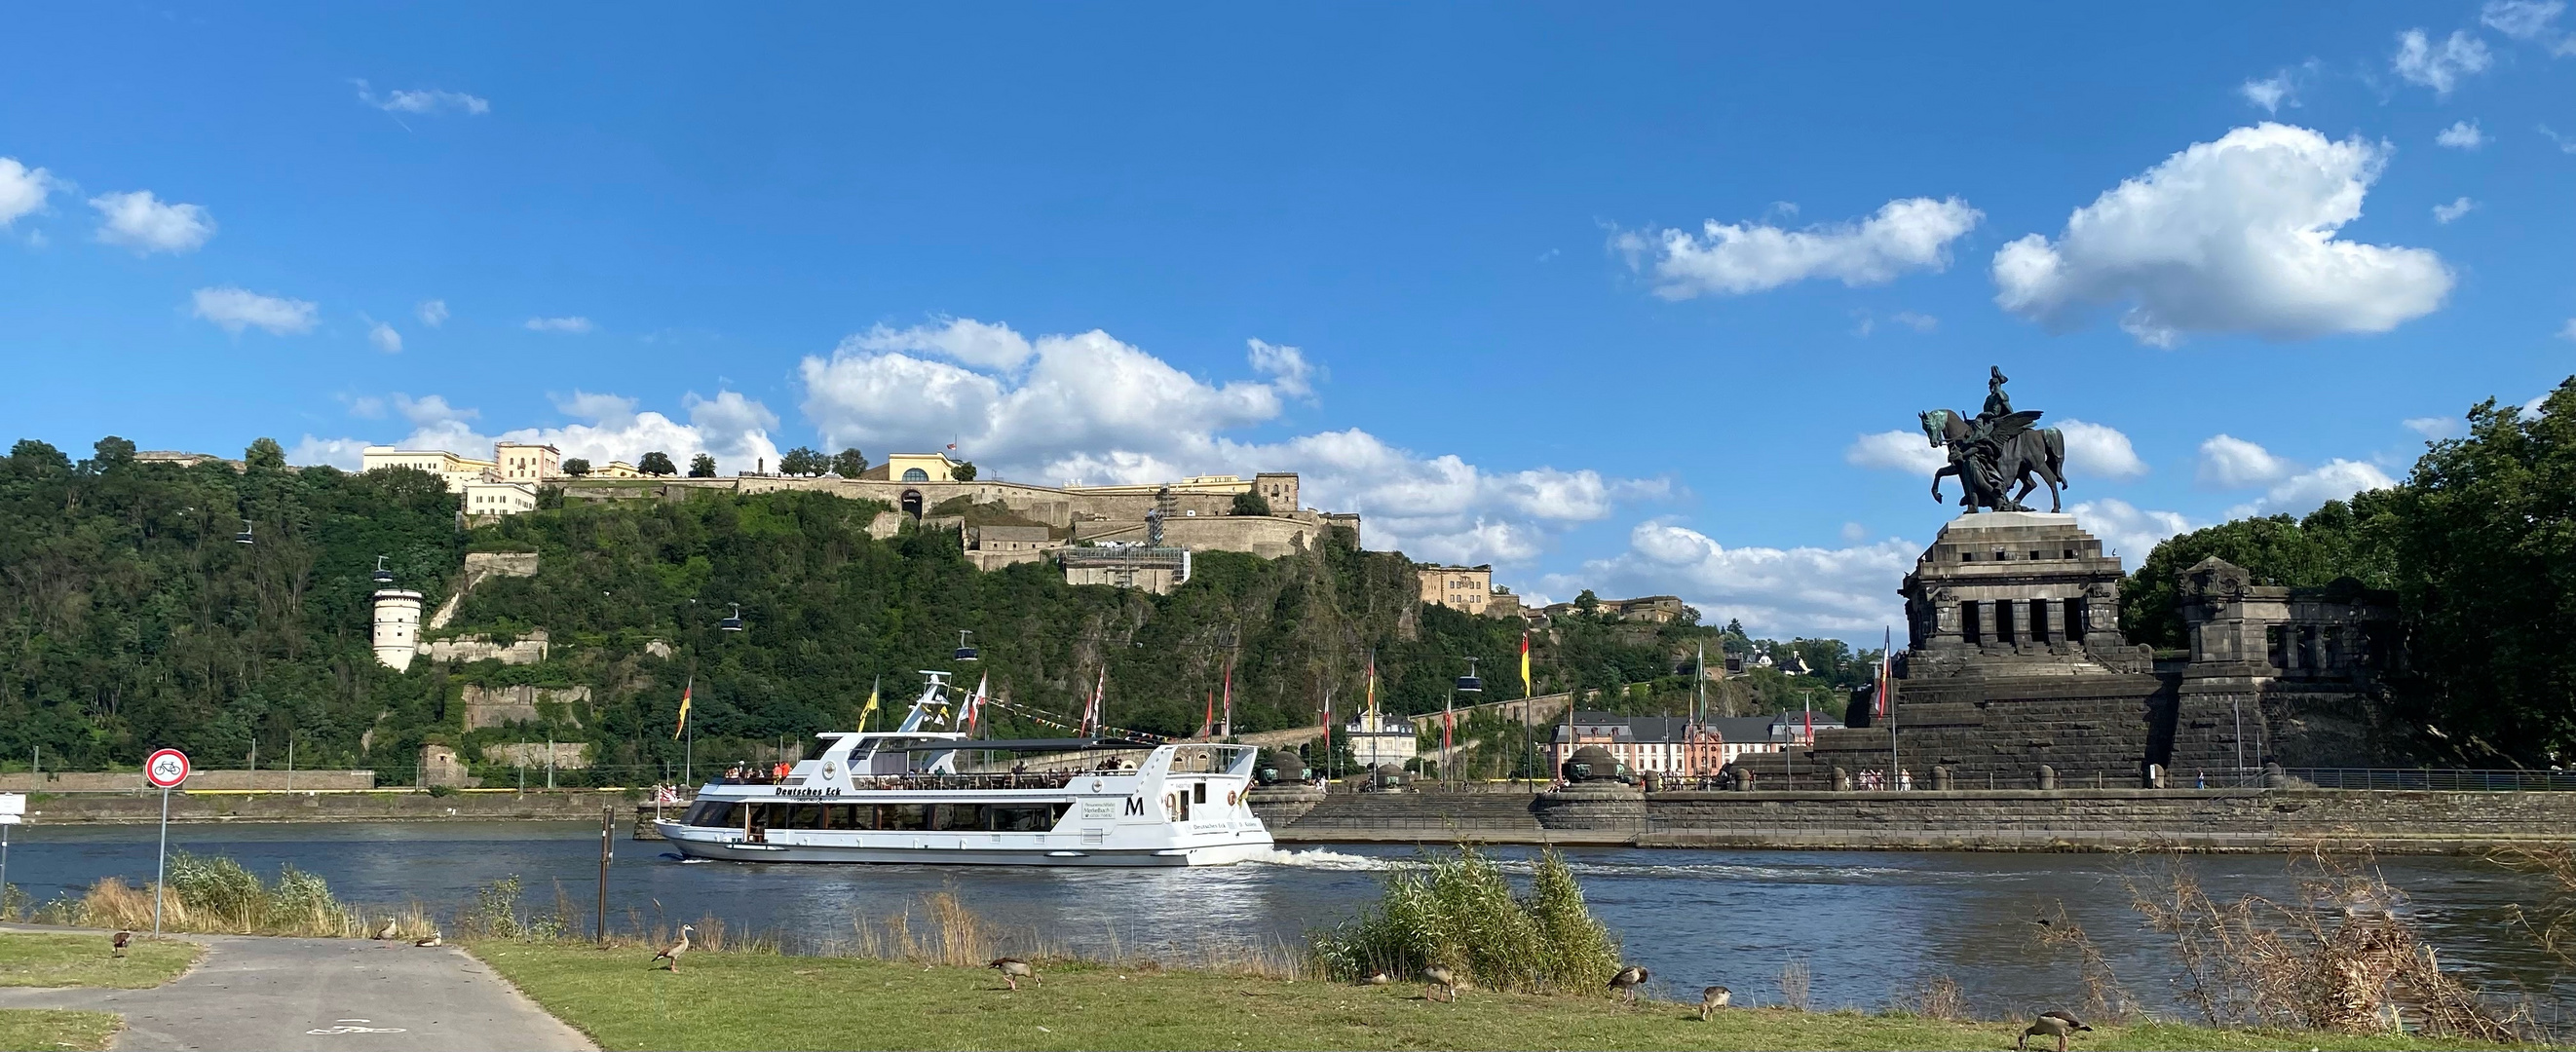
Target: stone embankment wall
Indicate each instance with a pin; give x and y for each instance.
(1959, 820)
(115, 782)
(325, 807)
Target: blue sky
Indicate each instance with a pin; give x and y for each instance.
(1621, 299)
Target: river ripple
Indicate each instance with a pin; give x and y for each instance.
(1867, 924)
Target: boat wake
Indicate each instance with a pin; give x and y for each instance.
(1318, 858)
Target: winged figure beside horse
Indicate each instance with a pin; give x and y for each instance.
(1995, 449)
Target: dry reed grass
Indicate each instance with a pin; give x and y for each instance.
(2104, 997)
(1797, 985)
(2341, 955)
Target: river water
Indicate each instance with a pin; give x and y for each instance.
(1866, 924)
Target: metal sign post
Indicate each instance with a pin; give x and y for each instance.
(13, 810)
(165, 769)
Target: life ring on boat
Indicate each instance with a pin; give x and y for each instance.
(1230, 798)
(1095, 785)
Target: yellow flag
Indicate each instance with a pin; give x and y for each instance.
(1525, 676)
(869, 709)
(684, 711)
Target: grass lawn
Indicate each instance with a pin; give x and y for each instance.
(765, 1001)
(84, 959)
(43, 1028)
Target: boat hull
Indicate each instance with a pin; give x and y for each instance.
(694, 842)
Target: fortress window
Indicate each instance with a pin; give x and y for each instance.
(915, 475)
(2070, 553)
(2034, 556)
(2075, 626)
(2272, 646)
(1971, 626)
(2000, 556)
(2006, 630)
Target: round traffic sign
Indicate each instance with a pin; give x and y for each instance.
(166, 768)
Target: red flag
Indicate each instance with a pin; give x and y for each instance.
(1885, 701)
(1208, 721)
(1229, 696)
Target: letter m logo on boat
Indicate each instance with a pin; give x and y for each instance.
(1135, 805)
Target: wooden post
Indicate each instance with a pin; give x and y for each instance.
(607, 823)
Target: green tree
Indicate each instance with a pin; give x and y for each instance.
(111, 453)
(656, 463)
(963, 472)
(1587, 603)
(265, 454)
(849, 463)
(2276, 549)
(702, 466)
(576, 467)
(1250, 503)
(802, 460)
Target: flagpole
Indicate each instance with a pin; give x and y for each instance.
(1887, 691)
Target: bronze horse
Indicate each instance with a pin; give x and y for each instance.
(2023, 452)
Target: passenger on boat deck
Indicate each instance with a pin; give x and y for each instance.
(780, 770)
(1020, 768)
(733, 773)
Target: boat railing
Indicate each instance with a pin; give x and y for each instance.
(1027, 780)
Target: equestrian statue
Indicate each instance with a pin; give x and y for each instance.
(1996, 448)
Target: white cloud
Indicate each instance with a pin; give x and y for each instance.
(2421, 62)
(2235, 235)
(432, 313)
(2461, 135)
(342, 453)
(1732, 259)
(2568, 331)
(729, 426)
(423, 101)
(2129, 531)
(2564, 144)
(2229, 462)
(1917, 322)
(2302, 493)
(385, 338)
(2445, 213)
(1090, 408)
(2271, 92)
(963, 340)
(22, 189)
(146, 224)
(1846, 592)
(2436, 428)
(2099, 451)
(574, 324)
(235, 309)
(1898, 450)
(2532, 21)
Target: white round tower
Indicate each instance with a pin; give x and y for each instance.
(397, 627)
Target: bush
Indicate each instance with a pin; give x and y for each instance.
(1459, 912)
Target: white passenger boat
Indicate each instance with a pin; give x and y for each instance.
(899, 796)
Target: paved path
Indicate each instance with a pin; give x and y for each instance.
(328, 995)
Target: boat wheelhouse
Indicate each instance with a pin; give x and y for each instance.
(922, 795)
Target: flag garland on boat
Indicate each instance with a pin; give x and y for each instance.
(1046, 720)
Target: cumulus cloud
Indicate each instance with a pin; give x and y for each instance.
(2235, 235)
(423, 101)
(146, 224)
(1737, 258)
(575, 324)
(2436, 428)
(2445, 213)
(385, 338)
(1847, 592)
(22, 189)
(732, 428)
(1898, 450)
(432, 313)
(342, 453)
(235, 309)
(1090, 408)
(2127, 530)
(2229, 462)
(2304, 492)
(962, 340)
(2461, 135)
(2092, 451)
(2421, 62)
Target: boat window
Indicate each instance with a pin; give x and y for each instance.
(958, 816)
(820, 746)
(848, 816)
(1025, 818)
(717, 814)
(1198, 793)
(1181, 813)
(903, 816)
(796, 816)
